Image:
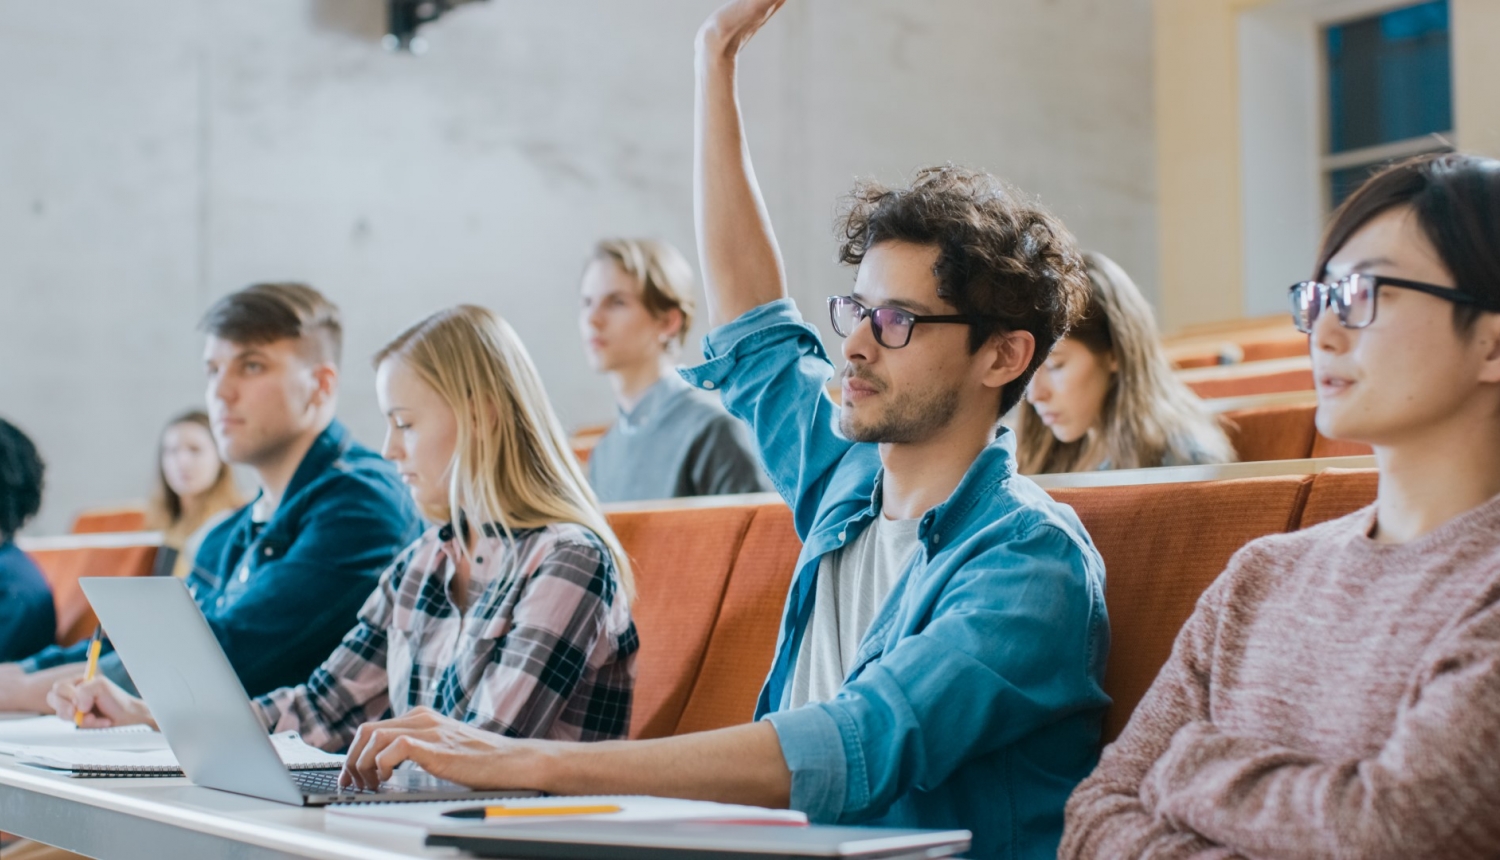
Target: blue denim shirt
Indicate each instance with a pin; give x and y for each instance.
(975, 700)
(281, 595)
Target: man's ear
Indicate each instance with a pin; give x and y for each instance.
(671, 327)
(1006, 357)
(326, 378)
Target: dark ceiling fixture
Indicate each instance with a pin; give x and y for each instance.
(404, 17)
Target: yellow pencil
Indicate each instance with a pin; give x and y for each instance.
(528, 811)
(94, 645)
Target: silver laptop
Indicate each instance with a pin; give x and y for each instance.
(203, 711)
(697, 840)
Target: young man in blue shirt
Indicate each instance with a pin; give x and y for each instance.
(282, 579)
(944, 640)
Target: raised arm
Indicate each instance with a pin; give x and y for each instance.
(742, 266)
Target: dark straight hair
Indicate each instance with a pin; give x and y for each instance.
(21, 478)
(1456, 199)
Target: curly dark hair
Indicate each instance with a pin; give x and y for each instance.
(21, 470)
(1002, 258)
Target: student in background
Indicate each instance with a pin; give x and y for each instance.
(195, 491)
(1337, 691)
(282, 579)
(512, 612)
(28, 620)
(1106, 397)
(944, 639)
(668, 439)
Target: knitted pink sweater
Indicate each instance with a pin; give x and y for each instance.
(1331, 697)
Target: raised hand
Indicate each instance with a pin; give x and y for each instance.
(102, 703)
(727, 30)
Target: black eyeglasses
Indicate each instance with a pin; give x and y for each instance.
(891, 326)
(1354, 298)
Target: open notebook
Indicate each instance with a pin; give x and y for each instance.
(92, 760)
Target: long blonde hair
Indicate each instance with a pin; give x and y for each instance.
(169, 513)
(512, 464)
(1149, 417)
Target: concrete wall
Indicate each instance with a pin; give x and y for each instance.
(156, 154)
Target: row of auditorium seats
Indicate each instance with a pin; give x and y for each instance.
(713, 573)
(1248, 340)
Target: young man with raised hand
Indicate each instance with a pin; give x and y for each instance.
(943, 644)
(1336, 693)
(281, 580)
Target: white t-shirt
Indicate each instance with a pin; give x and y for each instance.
(853, 583)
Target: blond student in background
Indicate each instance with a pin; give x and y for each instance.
(668, 439)
(1106, 397)
(195, 491)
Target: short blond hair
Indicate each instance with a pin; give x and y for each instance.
(664, 275)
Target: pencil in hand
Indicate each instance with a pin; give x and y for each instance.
(95, 644)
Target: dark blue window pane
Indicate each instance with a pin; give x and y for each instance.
(1389, 77)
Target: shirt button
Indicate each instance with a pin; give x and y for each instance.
(841, 535)
(708, 383)
(268, 552)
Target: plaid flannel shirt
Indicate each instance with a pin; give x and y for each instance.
(546, 648)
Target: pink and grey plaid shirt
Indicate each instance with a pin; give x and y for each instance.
(545, 649)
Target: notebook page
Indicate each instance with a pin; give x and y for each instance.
(289, 746)
(632, 808)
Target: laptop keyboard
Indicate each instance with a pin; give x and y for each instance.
(325, 782)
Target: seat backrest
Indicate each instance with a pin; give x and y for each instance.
(1336, 492)
(1325, 447)
(744, 639)
(682, 558)
(1241, 384)
(1163, 544)
(64, 561)
(129, 518)
(1272, 432)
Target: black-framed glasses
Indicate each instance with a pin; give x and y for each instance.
(891, 326)
(1354, 298)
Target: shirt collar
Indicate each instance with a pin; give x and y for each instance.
(653, 403)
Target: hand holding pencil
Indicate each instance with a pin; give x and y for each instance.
(96, 644)
(97, 702)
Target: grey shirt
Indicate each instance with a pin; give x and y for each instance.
(853, 584)
(677, 441)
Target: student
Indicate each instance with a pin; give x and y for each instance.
(945, 636)
(669, 439)
(195, 491)
(28, 620)
(1337, 691)
(1106, 397)
(511, 613)
(282, 579)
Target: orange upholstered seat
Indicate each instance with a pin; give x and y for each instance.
(1162, 546)
(1241, 384)
(682, 560)
(65, 561)
(744, 639)
(1325, 447)
(1272, 432)
(1336, 492)
(101, 520)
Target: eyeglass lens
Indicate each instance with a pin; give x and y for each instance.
(1353, 298)
(891, 326)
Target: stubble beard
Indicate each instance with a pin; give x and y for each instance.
(910, 417)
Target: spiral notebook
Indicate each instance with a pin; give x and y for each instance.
(91, 762)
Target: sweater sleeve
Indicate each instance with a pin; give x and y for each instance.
(1430, 791)
(1107, 816)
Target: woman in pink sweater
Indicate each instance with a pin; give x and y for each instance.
(1337, 691)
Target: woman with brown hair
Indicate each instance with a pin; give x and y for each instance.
(1106, 398)
(195, 490)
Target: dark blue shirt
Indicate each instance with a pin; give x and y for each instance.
(280, 595)
(28, 620)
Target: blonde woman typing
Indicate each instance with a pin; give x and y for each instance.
(1106, 398)
(511, 612)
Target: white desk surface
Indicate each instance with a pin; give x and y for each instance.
(174, 812)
